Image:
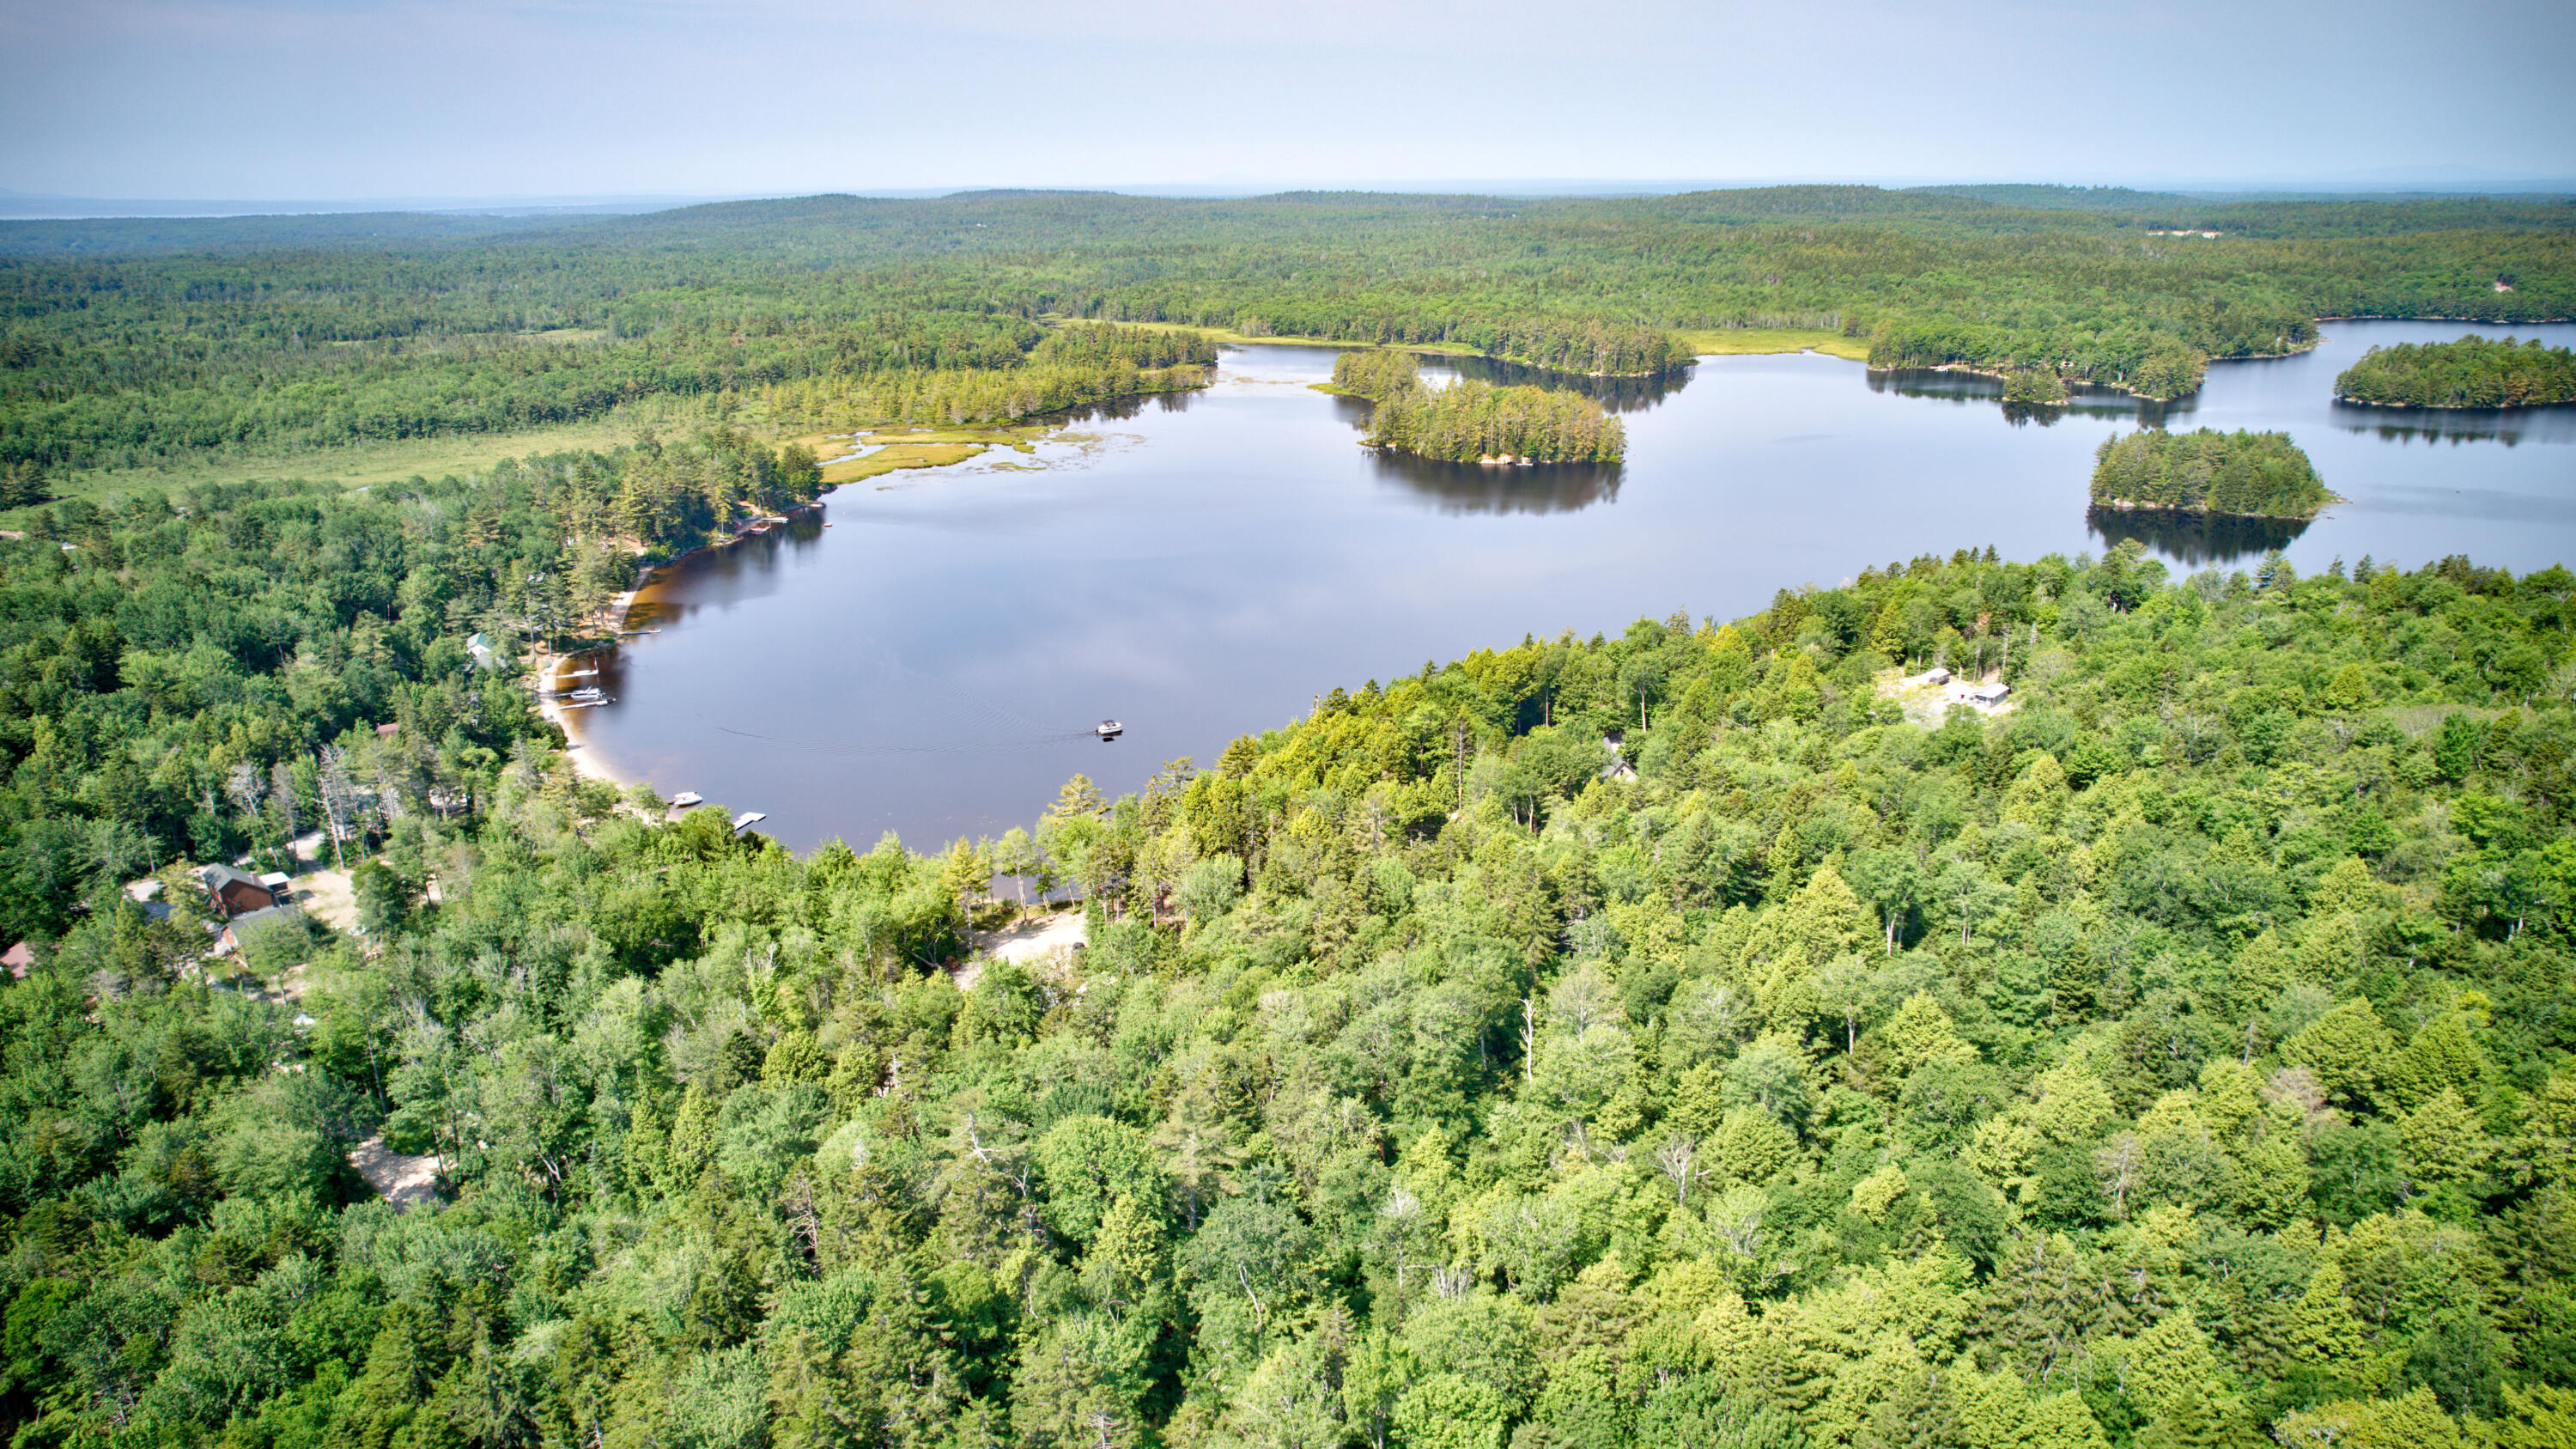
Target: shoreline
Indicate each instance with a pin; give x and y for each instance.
(1228, 337)
(585, 762)
(575, 750)
(2126, 505)
(2006, 377)
(2472, 321)
(2407, 407)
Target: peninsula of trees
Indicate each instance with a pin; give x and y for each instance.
(2180, 1056)
(1469, 421)
(2261, 475)
(2474, 372)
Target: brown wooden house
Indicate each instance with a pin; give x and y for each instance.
(234, 892)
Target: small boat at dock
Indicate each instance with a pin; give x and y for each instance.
(687, 799)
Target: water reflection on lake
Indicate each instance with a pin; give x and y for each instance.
(1478, 488)
(2083, 401)
(1202, 565)
(2194, 540)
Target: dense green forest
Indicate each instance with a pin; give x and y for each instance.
(2474, 372)
(2261, 475)
(2178, 1057)
(1470, 421)
(124, 344)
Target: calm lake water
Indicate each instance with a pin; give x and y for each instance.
(1204, 565)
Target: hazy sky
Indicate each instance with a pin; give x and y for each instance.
(341, 98)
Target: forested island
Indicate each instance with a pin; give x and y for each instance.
(2179, 1056)
(144, 345)
(2474, 372)
(2255, 475)
(1475, 422)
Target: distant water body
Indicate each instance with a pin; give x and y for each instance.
(1202, 566)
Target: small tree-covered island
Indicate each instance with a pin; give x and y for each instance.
(2474, 372)
(2251, 475)
(1475, 422)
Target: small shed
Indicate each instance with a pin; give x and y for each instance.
(1990, 693)
(1936, 675)
(237, 892)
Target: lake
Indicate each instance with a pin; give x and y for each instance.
(1204, 565)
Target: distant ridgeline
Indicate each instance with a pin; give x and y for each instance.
(2261, 475)
(129, 344)
(1468, 422)
(2474, 372)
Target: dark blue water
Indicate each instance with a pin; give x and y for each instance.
(1204, 565)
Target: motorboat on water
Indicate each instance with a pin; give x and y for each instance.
(687, 799)
(1110, 729)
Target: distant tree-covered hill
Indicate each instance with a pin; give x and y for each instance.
(128, 343)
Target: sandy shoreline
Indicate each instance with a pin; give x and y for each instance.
(576, 750)
(550, 706)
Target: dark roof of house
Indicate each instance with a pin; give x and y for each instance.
(217, 877)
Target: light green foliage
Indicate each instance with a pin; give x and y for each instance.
(2348, 1048)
